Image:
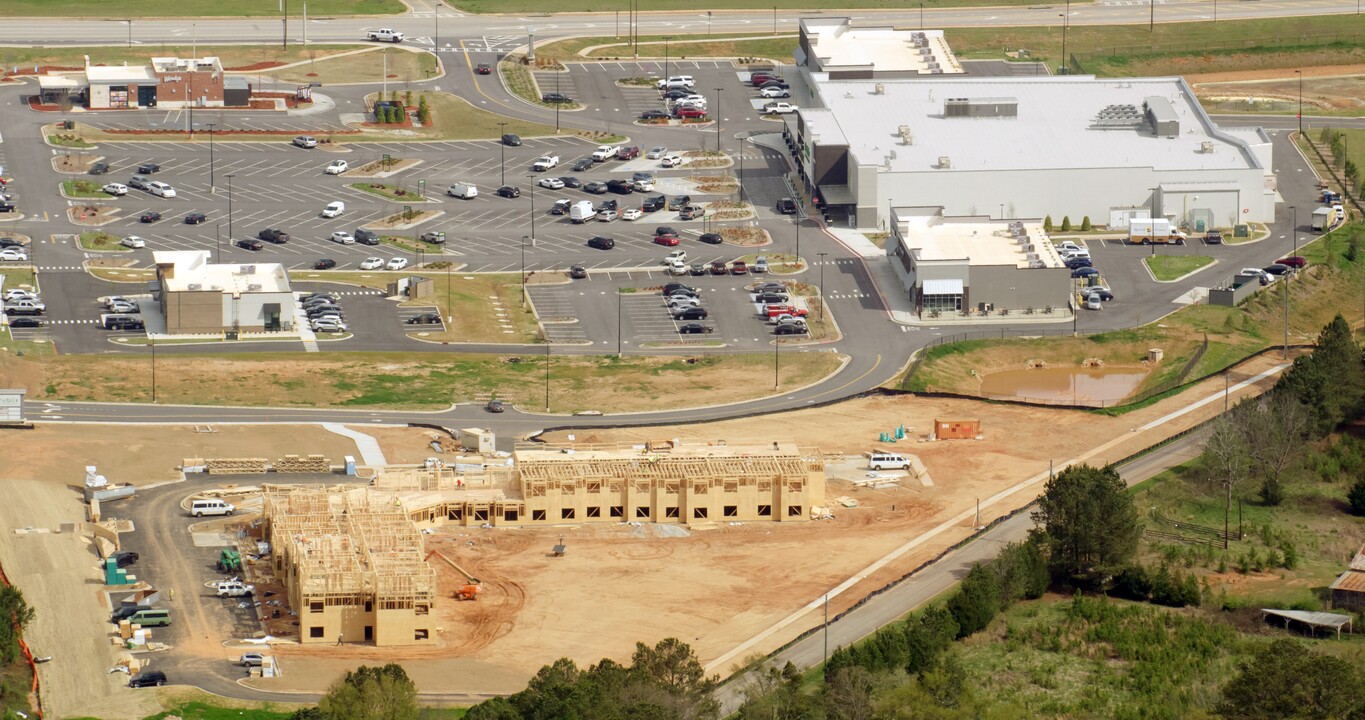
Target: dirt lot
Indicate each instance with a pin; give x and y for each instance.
(717, 586)
(1340, 87)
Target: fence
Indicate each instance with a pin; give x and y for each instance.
(1202, 47)
(1332, 168)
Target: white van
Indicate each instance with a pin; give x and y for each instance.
(465, 191)
(582, 211)
(202, 507)
(887, 461)
(334, 209)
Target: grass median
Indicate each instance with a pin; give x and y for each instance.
(731, 45)
(418, 380)
(1173, 267)
(232, 56)
(188, 8)
(102, 241)
(83, 189)
(403, 66)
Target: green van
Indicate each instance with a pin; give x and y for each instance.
(152, 618)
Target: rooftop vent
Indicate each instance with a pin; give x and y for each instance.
(192, 287)
(981, 107)
(944, 162)
(254, 287)
(1206, 146)
(880, 88)
(248, 270)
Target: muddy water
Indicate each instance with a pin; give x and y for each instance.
(1081, 386)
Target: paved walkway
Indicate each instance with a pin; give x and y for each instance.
(370, 452)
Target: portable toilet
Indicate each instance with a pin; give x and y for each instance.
(350, 465)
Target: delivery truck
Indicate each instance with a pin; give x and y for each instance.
(1323, 218)
(1158, 231)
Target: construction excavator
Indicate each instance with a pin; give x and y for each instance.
(473, 586)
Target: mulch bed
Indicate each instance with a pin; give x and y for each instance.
(255, 66)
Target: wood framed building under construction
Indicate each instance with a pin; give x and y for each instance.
(660, 482)
(353, 565)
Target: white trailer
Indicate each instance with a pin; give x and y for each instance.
(1149, 231)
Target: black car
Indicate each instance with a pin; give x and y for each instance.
(509, 191)
(653, 204)
(665, 231)
(1083, 272)
(127, 611)
(6, 206)
(249, 244)
(1277, 269)
(620, 187)
(429, 318)
(770, 298)
(279, 237)
(25, 322)
(675, 94)
(791, 329)
(195, 218)
(561, 207)
(596, 188)
(654, 115)
(511, 140)
(122, 323)
(318, 311)
(124, 558)
(1078, 262)
(571, 182)
(1104, 293)
(584, 164)
(578, 272)
(99, 168)
(786, 206)
(325, 264)
(695, 328)
(608, 205)
(150, 217)
(366, 237)
(147, 678)
(692, 313)
(602, 243)
(310, 297)
(147, 168)
(558, 98)
(711, 238)
(679, 202)
(1214, 237)
(679, 289)
(10, 242)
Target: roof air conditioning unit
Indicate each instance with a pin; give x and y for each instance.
(253, 287)
(880, 88)
(1206, 146)
(904, 131)
(944, 162)
(248, 269)
(192, 287)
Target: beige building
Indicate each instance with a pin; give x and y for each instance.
(199, 297)
(353, 565)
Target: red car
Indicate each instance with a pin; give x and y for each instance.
(1294, 261)
(483, 69)
(628, 153)
(739, 268)
(668, 240)
(758, 79)
(689, 112)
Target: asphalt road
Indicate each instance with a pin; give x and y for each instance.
(937, 577)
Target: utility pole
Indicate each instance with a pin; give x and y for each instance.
(822, 284)
(547, 375)
(229, 177)
(213, 188)
(502, 176)
(284, 38)
(523, 271)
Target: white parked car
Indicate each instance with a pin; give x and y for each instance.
(160, 189)
(133, 241)
(334, 209)
(343, 237)
(328, 324)
(397, 263)
(604, 153)
(115, 189)
(674, 160)
(124, 307)
(607, 215)
(656, 153)
(17, 294)
(679, 255)
(779, 108)
(643, 185)
(552, 183)
(631, 214)
(305, 141)
(13, 254)
(677, 267)
(775, 92)
(373, 263)
(545, 162)
(337, 167)
(251, 659)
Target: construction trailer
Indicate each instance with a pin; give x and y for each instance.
(956, 429)
(353, 564)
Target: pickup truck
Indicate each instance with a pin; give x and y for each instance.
(385, 35)
(779, 108)
(545, 162)
(604, 153)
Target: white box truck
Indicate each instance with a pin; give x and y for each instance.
(1159, 231)
(582, 211)
(1323, 218)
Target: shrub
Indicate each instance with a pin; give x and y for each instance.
(1066, 222)
(1356, 496)
(977, 602)
(1271, 492)
(1085, 223)
(1047, 223)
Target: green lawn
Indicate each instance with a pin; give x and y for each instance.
(192, 8)
(1355, 147)
(83, 189)
(538, 6)
(100, 240)
(1171, 267)
(68, 141)
(520, 82)
(17, 276)
(453, 118)
(779, 47)
(389, 192)
(232, 56)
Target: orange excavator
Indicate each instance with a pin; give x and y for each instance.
(473, 586)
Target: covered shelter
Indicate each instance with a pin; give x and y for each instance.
(1313, 620)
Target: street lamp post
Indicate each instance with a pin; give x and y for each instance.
(718, 120)
(666, 39)
(218, 240)
(153, 341)
(547, 375)
(822, 284)
(777, 342)
(1300, 74)
(1151, 22)
(130, 32)
(523, 271)
(213, 189)
(532, 191)
(618, 323)
(798, 219)
(229, 177)
(1066, 23)
(502, 130)
(557, 102)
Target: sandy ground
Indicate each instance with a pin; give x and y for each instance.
(1324, 88)
(58, 573)
(1275, 74)
(716, 587)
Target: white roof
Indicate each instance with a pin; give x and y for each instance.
(931, 237)
(191, 271)
(55, 82)
(119, 74)
(1053, 127)
(836, 43)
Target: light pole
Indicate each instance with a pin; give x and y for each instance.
(666, 39)
(1066, 23)
(229, 177)
(130, 32)
(777, 342)
(523, 271)
(218, 240)
(1295, 229)
(547, 375)
(450, 314)
(1300, 74)
(618, 322)
(718, 120)
(532, 192)
(212, 187)
(502, 127)
(557, 102)
(153, 341)
(1151, 22)
(822, 284)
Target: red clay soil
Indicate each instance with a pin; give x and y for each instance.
(255, 66)
(33, 104)
(220, 133)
